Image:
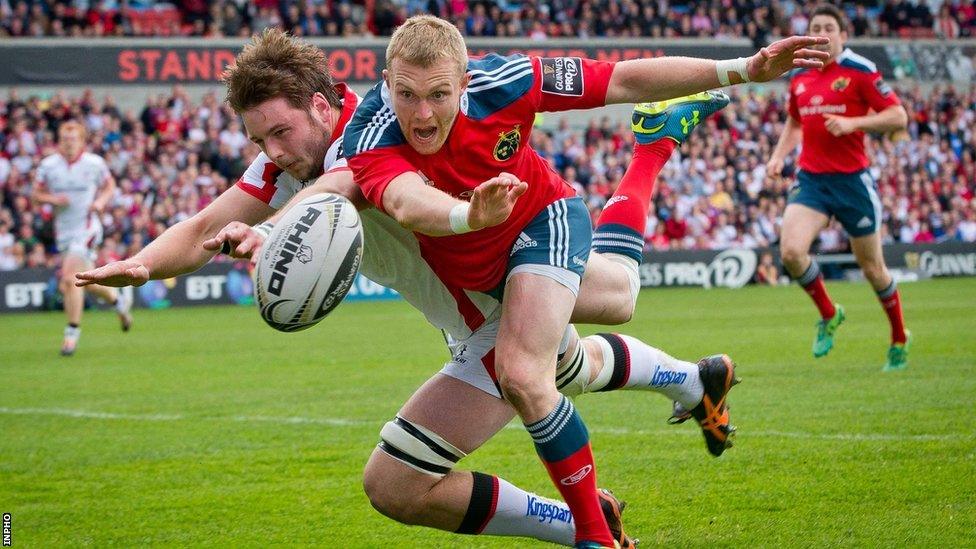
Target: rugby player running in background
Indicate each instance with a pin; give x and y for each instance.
(78, 185)
(830, 110)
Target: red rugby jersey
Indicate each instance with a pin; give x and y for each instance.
(490, 135)
(849, 86)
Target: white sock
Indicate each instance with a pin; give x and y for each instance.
(632, 364)
(520, 513)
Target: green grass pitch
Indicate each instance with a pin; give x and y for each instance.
(204, 427)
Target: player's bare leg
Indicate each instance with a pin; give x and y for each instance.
(801, 225)
(867, 251)
(606, 294)
(74, 301)
(535, 311)
(457, 414)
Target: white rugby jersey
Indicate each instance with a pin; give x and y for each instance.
(391, 254)
(80, 180)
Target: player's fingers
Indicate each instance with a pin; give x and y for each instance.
(807, 63)
(243, 250)
(214, 243)
(138, 273)
(88, 280)
(518, 189)
(811, 54)
(511, 179)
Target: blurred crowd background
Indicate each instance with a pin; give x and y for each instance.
(760, 20)
(174, 156)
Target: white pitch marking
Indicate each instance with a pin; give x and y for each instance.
(339, 422)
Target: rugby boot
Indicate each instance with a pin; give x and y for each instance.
(123, 307)
(898, 354)
(674, 118)
(824, 340)
(70, 342)
(717, 374)
(612, 509)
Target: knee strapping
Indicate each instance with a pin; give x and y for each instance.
(418, 447)
(573, 371)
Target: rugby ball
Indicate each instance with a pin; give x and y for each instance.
(308, 262)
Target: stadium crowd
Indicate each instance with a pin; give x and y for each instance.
(759, 20)
(172, 158)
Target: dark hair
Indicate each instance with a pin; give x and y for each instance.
(831, 10)
(277, 65)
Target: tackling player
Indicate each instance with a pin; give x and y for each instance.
(78, 184)
(829, 111)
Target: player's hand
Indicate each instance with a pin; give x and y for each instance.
(839, 125)
(60, 200)
(237, 240)
(774, 168)
(784, 55)
(127, 272)
(493, 200)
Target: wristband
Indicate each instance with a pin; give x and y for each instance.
(738, 66)
(263, 228)
(459, 218)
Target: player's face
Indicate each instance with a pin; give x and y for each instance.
(70, 143)
(825, 25)
(426, 101)
(295, 139)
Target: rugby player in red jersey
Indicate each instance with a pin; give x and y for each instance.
(442, 129)
(830, 109)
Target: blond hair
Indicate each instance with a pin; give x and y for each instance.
(274, 65)
(423, 40)
(73, 126)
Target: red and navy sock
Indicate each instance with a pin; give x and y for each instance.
(563, 443)
(481, 507)
(620, 227)
(812, 282)
(891, 302)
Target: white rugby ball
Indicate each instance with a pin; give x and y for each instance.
(308, 262)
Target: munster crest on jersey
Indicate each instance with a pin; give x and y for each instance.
(840, 84)
(508, 144)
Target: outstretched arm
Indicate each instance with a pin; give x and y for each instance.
(179, 250)
(641, 80)
(424, 209)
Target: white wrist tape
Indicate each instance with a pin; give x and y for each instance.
(459, 218)
(737, 66)
(263, 228)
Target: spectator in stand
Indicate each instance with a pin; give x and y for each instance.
(533, 18)
(766, 271)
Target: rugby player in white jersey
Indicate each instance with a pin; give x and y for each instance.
(78, 185)
(293, 110)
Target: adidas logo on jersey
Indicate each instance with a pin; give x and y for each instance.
(864, 223)
(522, 243)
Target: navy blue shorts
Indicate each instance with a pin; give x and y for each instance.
(555, 244)
(850, 197)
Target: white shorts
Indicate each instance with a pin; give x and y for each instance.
(83, 243)
(473, 359)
